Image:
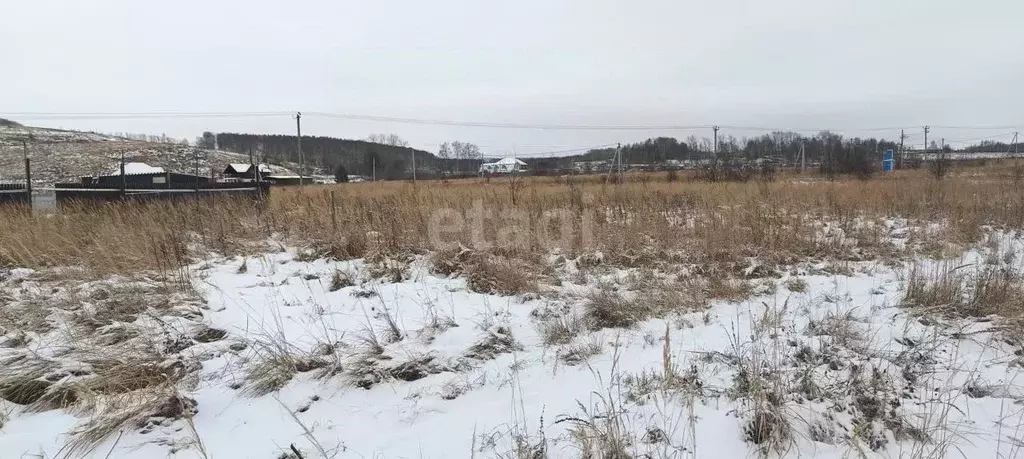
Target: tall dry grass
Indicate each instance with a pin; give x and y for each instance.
(646, 215)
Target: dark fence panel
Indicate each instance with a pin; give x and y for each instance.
(14, 193)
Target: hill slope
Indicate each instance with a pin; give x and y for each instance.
(387, 162)
(62, 155)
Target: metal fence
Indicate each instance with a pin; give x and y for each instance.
(73, 193)
(23, 191)
(15, 193)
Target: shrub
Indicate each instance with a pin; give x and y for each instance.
(606, 309)
(499, 275)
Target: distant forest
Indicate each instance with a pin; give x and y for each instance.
(389, 161)
(393, 159)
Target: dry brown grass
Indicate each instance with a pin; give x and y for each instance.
(609, 309)
(966, 290)
(703, 221)
(500, 275)
(139, 410)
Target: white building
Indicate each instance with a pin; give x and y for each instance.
(138, 169)
(503, 166)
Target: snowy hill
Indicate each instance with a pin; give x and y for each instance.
(61, 155)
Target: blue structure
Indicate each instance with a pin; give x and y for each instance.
(887, 161)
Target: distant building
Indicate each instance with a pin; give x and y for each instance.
(589, 167)
(287, 180)
(503, 166)
(143, 176)
(245, 171)
(137, 168)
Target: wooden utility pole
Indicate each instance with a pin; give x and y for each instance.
(942, 153)
(926, 129)
(196, 158)
(902, 136)
(255, 169)
(413, 152)
(298, 145)
(716, 142)
(618, 154)
(803, 158)
(28, 172)
(373, 177)
(123, 180)
(615, 166)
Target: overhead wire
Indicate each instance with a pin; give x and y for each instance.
(975, 139)
(482, 124)
(549, 154)
(43, 116)
(459, 123)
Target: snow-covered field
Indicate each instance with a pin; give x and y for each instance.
(281, 356)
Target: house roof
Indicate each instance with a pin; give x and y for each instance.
(508, 161)
(240, 168)
(138, 168)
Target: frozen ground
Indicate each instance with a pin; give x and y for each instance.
(391, 360)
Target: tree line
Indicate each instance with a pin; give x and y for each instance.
(389, 157)
(782, 145)
(385, 156)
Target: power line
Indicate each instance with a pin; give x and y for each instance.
(438, 122)
(557, 152)
(973, 128)
(582, 127)
(975, 139)
(34, 116)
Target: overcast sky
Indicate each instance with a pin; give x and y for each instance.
(798, 64)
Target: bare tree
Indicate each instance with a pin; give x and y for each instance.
(462, 151)
(387, 139)
(445, 153)
(706, 145)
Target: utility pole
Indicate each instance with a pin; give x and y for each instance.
(298, 144)
(1015, 142)
(196, 158)
(942, 154)
(28, 172)
(716, 142)
(616, 165)
(618, 154)
(122, 174)
(374, 169)
(617, 161)
(255, 172)
(803, 158)
(413, 152)
(926, 129)
(902, 136)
